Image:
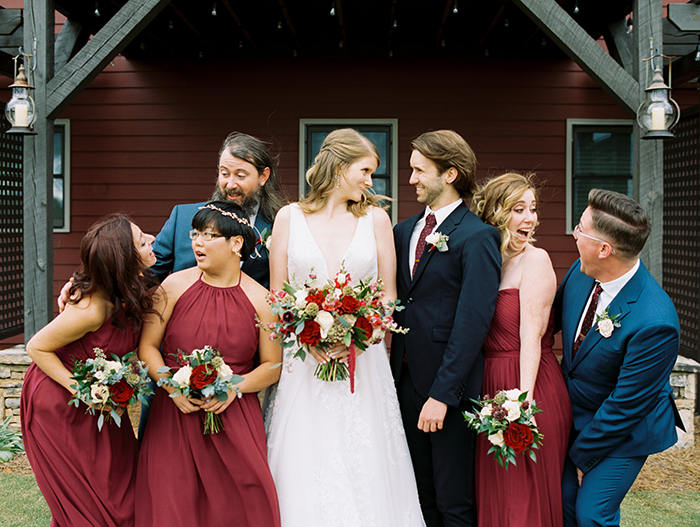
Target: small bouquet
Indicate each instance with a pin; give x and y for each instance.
(507, 422)
(320, 317)
(203, 374)
(109, 385)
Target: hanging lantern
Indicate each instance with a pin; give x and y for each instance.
(20, 111)
(659, 112)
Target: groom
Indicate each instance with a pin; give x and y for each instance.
(448, 283)
(620, 336)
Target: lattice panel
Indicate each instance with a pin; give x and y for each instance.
(681, 248)
(11, 237)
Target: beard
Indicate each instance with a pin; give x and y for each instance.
(248, 204)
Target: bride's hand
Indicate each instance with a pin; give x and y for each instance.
(187, 406)
(339, 352)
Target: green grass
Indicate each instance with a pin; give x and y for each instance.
(21, 505)
(647, 508)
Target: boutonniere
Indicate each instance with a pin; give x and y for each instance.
(265, 238)
(437, 240)
(606, 324)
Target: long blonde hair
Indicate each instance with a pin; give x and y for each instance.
(339, 150)
(493, 202)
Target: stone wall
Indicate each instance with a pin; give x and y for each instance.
(684, 381)
(13, 365)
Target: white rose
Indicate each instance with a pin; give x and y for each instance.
(513, 395)
(497, 438)
(341, 278)
(100, 376)
(113, 365)
(605, 327)
(225, 370)
(433, 238)
(325, 320)
(300, 299)
(99, 393)
(513, 409)
(268, 242)
(486, 411)
(182, 376)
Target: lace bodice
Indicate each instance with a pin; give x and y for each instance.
(304, 256)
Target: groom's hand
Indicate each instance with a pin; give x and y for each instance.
(432, 415)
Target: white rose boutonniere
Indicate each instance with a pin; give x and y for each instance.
(437, 240)
(605, 324)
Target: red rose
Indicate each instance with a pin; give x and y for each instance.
(517, 436)
(365, 326)
(311, 334)
(348, 305)
(202, 375)
(317, 298)
(121, 393)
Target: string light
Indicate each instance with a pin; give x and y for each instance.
(213, 10)
(332, 8)
(97, 10)
(576, 9)
(455, 10)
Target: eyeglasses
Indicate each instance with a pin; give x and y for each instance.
(578, 232)
(206, 236)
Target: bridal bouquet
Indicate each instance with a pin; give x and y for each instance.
(321, 316)
(202, 374)
(109, 385)
(507, 422)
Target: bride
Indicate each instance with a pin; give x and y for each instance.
(339, 458)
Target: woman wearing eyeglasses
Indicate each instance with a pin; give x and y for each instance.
(518, 354)
(184, 476)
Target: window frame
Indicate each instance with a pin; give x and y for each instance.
(350, 123)
(570, 124)
(66, 175)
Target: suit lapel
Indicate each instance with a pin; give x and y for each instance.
(446, 227)
(260, 225)
(621, 305)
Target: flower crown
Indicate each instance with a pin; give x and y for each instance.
(226, 213)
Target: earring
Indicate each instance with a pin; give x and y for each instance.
(237, 253)
(337, 181)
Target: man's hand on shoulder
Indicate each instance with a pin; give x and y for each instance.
(432, 415)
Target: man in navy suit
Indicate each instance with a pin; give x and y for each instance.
(616, 366)
(449, 289)
(246, 175)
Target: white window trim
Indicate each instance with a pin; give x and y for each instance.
(570, 123)
(393, 176)
(66, 175)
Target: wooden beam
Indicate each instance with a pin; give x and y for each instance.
(192, 28)
(685, 69)
(99, 51)
(445, 14)
(620, 43)
(10, 20)
(648, 155)
(38, 172)
(573, 39)
(492, 25)
(66, 42)
(288, 20)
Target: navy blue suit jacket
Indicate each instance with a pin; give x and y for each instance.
(173, 247)
(619, 386)
(449, 304)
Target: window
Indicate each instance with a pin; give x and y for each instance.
(382, 132)
(598, 155)
(61, 175)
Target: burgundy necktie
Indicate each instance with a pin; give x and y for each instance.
(430, 222)
(587, 320)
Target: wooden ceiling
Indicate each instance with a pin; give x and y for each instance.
(190, 29)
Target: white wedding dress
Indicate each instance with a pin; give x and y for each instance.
(339, 459)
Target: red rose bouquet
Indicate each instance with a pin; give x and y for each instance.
(321, 316)
(109, 385)
(203, 374)
(507, 421)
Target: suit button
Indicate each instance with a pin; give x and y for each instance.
(409, 301)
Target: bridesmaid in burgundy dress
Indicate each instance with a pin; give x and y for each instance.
(518, 353)
(186, 478)
(87, 476)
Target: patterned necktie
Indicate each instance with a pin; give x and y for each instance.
(587, 320)
(430, 222)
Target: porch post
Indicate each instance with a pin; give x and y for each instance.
(38, 171)
(648, 161)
